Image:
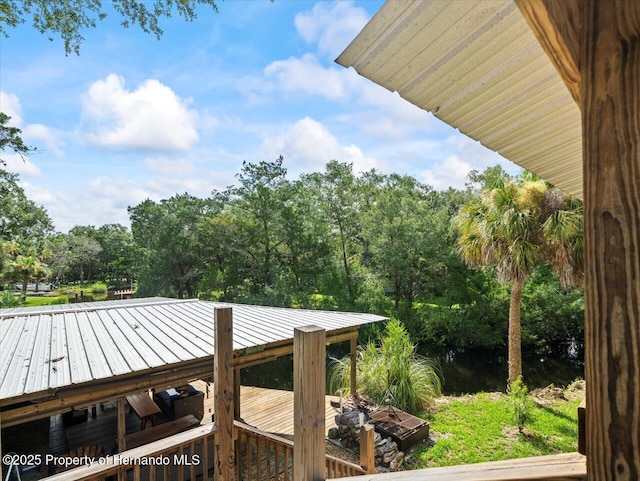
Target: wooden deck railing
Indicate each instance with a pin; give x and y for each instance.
(263, 456)
(181, 457)
(556, 467)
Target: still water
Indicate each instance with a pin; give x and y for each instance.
(464, 372)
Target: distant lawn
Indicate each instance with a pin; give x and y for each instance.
(479, 428)
(45, 300)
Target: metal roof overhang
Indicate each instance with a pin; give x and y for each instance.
(55, 358)
(477, 66)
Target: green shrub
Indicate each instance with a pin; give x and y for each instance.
(98, 288)
(520, 403)
(7, 299)
(390, 372)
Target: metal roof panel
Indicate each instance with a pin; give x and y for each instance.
(42, 349)
(478, 67)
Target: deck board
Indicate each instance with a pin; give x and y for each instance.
(270, 410)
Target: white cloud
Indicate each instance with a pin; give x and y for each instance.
(10, 105)
(24, 167)
(150, 117)
(169, 177)
(306, 76)
(308, 145)
(331, 26)
(51, 138)
(461, 155)
(103, 200)
(31, 133)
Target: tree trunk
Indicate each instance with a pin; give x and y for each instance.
(515, 343)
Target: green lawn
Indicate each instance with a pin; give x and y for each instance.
(45, 300)
(479, 428)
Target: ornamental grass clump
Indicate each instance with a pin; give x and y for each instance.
(390, 372)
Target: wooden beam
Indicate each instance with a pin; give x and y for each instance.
(223, 395)
(236, 393)
(555, 24)
(122, 427)
(82, 398)
(309, 378)
(353, 344)
(610, 92)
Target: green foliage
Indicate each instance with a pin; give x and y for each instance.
(98, 288)
(169, 254)
(552, 317)
(8, 299)
(390, 372)
(68, 18)
(521, 404)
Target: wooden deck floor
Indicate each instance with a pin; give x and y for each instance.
(270, 410)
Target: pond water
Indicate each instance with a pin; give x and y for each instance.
(464, 372)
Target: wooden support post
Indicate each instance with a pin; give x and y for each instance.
(122, 427)
(223, 394)
(354, 356)
(309, 373)
(367, 448)
(236, 393)
(582, 427)
(610, 95)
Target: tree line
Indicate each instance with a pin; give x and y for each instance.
(326, 240)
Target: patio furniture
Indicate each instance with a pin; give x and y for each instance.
(178, 402)
(144, 407)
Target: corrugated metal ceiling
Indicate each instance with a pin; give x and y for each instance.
(477, 66)
(56, 346)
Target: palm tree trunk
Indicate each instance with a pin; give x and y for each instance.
(515, 341)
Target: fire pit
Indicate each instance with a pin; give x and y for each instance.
(404, 428)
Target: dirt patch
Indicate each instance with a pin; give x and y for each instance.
(548, 395)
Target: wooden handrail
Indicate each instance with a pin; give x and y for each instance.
(557, 467)
(263, 454)
(120, 463)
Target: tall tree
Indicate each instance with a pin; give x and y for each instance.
(170, 256)
(515, 226)
(338, 192)
(24, 225)
(68, 18)
(399, 229)
(255, 204)
(84, 249)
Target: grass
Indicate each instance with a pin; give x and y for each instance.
(45, 300)
(480, 428)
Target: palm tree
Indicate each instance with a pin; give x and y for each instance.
(515, 226)
(24, 267)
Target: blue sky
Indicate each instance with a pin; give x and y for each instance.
(134, 117)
